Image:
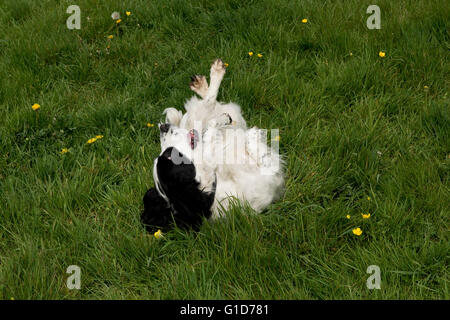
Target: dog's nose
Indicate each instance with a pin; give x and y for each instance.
(164, 128)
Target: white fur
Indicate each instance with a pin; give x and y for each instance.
(237, 159)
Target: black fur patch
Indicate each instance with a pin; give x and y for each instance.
(188, 204)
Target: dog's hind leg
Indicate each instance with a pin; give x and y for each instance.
(216, 75)
(257, 148)
(199, 85)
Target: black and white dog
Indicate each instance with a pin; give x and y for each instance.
(209, 159)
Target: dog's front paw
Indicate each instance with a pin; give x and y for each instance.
(198, 83)
(218, 68)
(221, 121)
(225, 119)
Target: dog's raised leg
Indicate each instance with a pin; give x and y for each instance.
(199, 85)
(216, 75)
(221, 121)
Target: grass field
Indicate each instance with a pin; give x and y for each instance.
(360, 134)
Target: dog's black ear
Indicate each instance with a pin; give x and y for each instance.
(157, 213)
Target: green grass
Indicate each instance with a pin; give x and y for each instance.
(351, 126)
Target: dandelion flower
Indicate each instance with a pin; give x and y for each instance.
(98, 137)
(259, 55)
(64, 150)
(426, 87)
(115, 15)
(150, 124)
(110, 36)
(35, 106)
(304, 20)
(348, 216)
(382, 54)
(369, 198)
(250, 53)
(226, 65)
(92, 140)
(351, 53)
(128, 13)
(365, 216)
(158, 234)
(357, 231)
(118, 21)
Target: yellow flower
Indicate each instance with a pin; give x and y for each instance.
(347, 216)
(426, 87)
(158, 234)
(357, 231)
(128, 13)
(35, 106)
(118, 21)
(365, 216)
(250, 53)
(351, 53)
(150, 124)
(110, 36)
(369, 198)
(304, 20)
(92, 140)
(64, 150)
(259, 55)
(226, 65)
(382, 54)
(98, 137)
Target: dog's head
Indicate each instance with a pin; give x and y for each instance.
(177, 198)
(184, 140)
